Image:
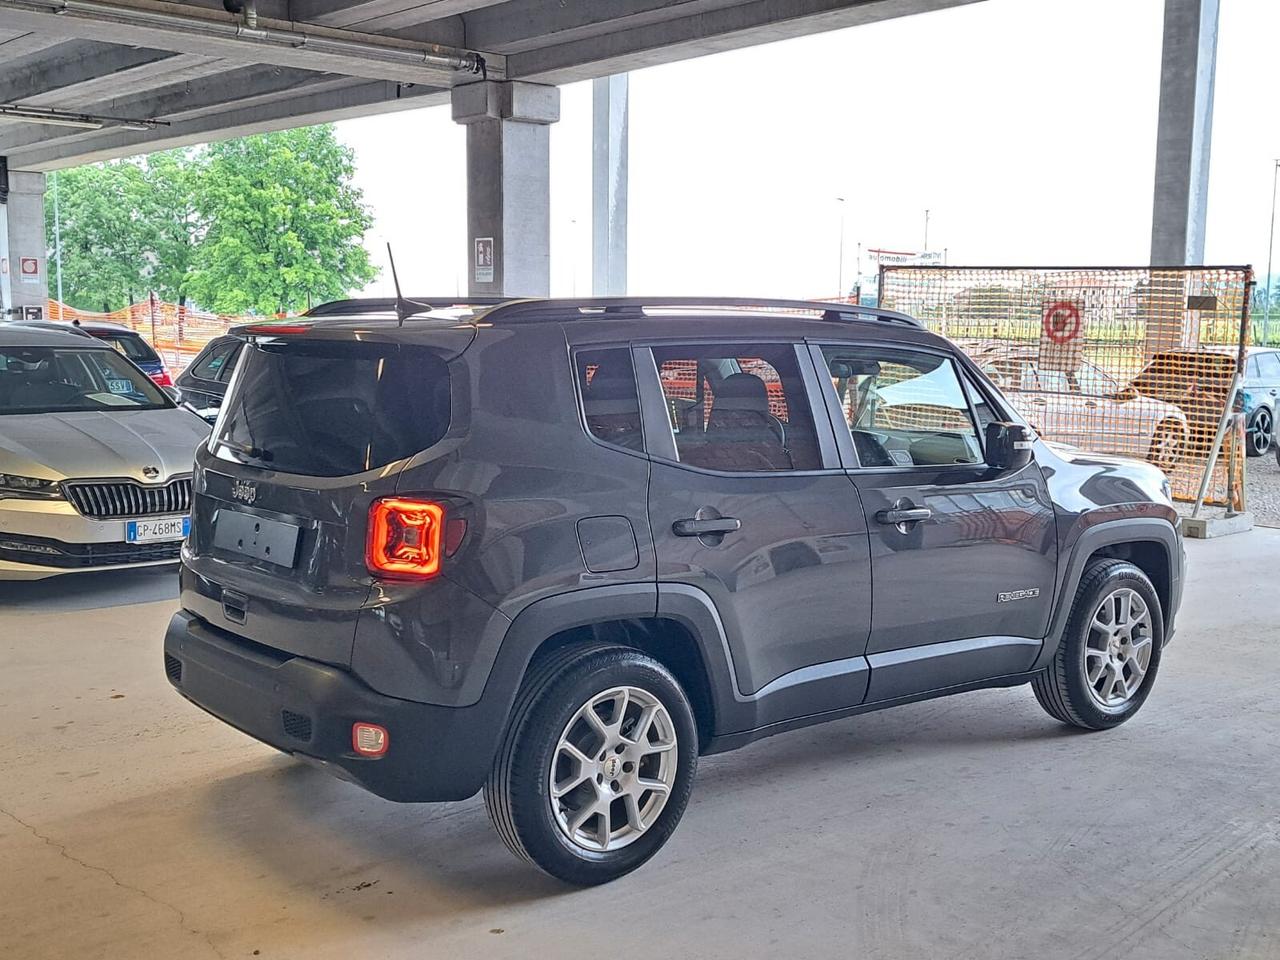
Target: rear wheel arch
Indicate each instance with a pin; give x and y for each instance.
(623, 615)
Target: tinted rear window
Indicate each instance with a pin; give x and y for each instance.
(132, 346)
(330, 409)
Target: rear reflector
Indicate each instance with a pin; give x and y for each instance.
(369, 739)
(405, 538)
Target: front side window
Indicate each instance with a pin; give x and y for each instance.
(1096, 382)
(1269, 366)
(903, 408)
(57, 380)
(610, 401)
(739, 407)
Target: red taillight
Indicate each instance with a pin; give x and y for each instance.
(405, 538)
(162, 379)
(369, 739)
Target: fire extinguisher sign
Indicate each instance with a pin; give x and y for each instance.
(29, 269)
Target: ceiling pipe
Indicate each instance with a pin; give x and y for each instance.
(68, 118)
(367, 47)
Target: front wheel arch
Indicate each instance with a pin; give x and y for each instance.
(1152, 545)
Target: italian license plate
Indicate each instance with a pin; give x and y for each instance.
(151, 531)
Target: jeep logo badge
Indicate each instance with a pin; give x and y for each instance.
(244, 491)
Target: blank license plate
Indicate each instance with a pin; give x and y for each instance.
(256, 537)
(150, 531)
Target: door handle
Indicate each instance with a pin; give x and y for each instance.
(1039, 401)
(904, 515)
(700, 528)
(1091, 404)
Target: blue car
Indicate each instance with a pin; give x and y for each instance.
(131, 344)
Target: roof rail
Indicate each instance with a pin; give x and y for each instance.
(358, 305)
(533, 311)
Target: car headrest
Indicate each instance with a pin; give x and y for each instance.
(741, 392)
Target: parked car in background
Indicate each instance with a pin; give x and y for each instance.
(1086, 407)
(132, 345)
(203, 384)
(1198, 381)
(95, 458)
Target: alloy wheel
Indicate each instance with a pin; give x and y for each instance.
(613, 769)
(1117, 652)
(1164, 451)
(1260, 432)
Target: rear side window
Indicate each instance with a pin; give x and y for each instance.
(610, 401)
(212, 363)
(738, 407)
(331, 409)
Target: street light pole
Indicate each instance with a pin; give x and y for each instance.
(926, 230)
(840, 269)
(58, 246)
(1271, 241)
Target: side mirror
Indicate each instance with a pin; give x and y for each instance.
(1009, 446)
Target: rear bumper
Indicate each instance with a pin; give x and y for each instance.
(307, 708)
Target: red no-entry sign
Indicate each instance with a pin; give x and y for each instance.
(1062, 321)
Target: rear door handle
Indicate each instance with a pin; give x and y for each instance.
(904, 515)
(700, 528)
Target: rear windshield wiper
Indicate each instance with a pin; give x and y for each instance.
(249, 450)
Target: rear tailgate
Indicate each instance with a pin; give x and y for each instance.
(313, 430)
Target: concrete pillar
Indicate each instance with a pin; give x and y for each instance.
(508, 185)
(610, 122)
(1185, 131)
(24, 274)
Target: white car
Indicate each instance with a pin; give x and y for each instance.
(1086, 407)
(95, 459)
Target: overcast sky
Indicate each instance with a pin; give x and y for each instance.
(1026, 128)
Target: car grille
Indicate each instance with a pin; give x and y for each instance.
(125, 498)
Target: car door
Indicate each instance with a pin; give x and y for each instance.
(963, 556)
(750, 505)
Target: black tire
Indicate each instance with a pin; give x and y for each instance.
(1261, 433)
(517, 793)
(1062, 688)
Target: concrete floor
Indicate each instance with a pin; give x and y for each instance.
(132, 826)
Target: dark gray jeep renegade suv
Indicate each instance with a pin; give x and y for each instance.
(556, 550)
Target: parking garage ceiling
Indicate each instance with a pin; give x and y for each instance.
(83, 80)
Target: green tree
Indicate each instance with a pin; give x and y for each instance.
(172, 215)
(283, 222)
(266, 223)
(105, 238)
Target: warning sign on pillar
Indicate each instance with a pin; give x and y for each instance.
(1062, 336)
(484, 260)
(29, 269)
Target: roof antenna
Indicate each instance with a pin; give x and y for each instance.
(402, 305)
